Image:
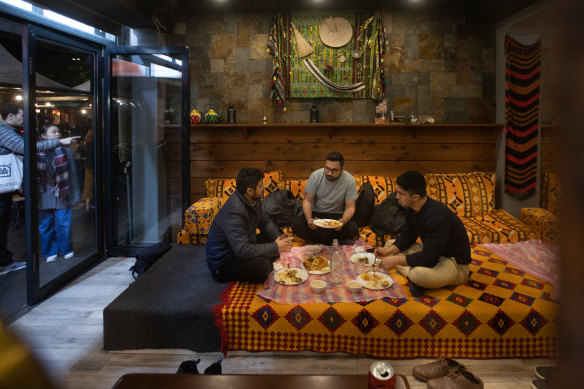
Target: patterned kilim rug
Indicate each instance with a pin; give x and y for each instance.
(522, 77)
(501, 312)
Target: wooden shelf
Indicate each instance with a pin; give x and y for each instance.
(246, 129)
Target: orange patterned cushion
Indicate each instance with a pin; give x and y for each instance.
(382, 186)
(224, 187)
(466, 194)
(296, 187)
(550, 192)
(496, 227)
(543, 222)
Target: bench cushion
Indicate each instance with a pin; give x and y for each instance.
(224, 187)
(466, 194)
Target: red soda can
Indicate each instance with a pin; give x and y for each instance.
(381, 376)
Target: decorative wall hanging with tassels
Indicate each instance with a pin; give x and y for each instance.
(522, 78)
(327, 55)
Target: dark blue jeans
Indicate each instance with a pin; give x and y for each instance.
(55, 231)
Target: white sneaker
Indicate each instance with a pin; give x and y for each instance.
(52, 258)
(70, 255)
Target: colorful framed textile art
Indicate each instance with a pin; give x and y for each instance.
(328, 72)
(522, 79)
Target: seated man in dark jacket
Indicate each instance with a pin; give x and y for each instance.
(234, 251)
(443, 258)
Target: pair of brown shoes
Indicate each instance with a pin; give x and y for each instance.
(447, 373)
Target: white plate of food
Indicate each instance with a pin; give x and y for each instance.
(376, 281)
(317, 264)
(367, 259)
(327, 223)
(291, 276)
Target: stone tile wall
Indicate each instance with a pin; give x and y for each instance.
(435, 65)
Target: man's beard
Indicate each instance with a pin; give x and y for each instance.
(331, 178)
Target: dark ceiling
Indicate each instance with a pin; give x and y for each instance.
(111, 15)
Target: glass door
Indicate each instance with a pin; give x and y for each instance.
(146, 145)
(62, 191)
(13, 290)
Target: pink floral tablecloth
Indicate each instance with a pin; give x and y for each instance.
(301, 294)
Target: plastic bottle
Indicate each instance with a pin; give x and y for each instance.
(336, 276)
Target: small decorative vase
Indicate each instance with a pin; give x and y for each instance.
(195, 117)
(212, 117)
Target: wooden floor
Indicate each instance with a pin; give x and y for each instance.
(65, 333)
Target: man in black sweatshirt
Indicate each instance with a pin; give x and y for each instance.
(444, 255)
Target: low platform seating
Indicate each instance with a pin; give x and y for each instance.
(500, 312)
(470, 195)
(544, 220)
(169, 306)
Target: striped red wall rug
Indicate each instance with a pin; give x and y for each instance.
(522, 79)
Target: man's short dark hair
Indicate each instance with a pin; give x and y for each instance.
(248, 177)
(412, 182)
(336, 156)
(9, 109)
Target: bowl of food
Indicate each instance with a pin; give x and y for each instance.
(354, 286)
(318, 286)
(312, 249)
(365, 259)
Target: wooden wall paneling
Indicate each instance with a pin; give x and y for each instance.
(351, 151)
(297, 150)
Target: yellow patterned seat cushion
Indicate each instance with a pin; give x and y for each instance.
(466, 194)
(543, 222)
(496, 227)
(382, 186)
(224, 187)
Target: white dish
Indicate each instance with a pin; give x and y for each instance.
(370, 258)
(327, 223)
(284, 276)
(375, 281)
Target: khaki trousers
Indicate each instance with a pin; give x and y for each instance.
(447, 272)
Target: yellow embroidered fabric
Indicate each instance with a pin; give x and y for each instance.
(543, 222)
(466, 194)
(470, 195)
(198, 218)
(382, 186)
(296, 187)
(500, 312)
(224, 187)
(496, 227)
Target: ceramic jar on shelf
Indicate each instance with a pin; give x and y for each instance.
(211, 117)
(195, 117)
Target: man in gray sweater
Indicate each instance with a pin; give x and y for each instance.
(12, 142)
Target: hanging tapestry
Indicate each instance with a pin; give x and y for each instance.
(327, 55)
(522, 77)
